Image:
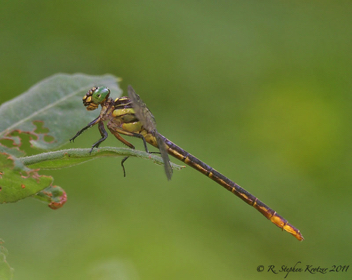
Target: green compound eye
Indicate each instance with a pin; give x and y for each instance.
(100, 94)
(94, 97)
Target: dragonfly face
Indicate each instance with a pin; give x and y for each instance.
(127, 116)
(95, 96)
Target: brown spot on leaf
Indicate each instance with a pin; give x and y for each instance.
(33, 174)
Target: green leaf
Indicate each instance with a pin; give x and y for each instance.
(50, 112)
(70, 157)
(56, 102)
(54, 195)
(17, 181)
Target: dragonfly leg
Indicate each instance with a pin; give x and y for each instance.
(84, 128)
(123, 167)
(115, 132)
(138, 135)
(103, 134)
(145, 146)
(119, 137)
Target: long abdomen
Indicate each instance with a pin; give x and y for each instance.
(192, 161)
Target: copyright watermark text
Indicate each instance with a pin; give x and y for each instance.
(302, 268)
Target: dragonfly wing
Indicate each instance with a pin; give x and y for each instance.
(141, 110)
(164, 156)
(147, 119)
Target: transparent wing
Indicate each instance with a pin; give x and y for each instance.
(148, 122)
(164, 156)
(141, 110)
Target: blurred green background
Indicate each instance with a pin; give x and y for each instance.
(259, 90)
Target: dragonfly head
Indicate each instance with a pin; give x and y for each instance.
(95, 96)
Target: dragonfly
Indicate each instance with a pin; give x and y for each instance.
(128, 115)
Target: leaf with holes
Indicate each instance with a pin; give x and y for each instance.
(50, 112)
(17, 181)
